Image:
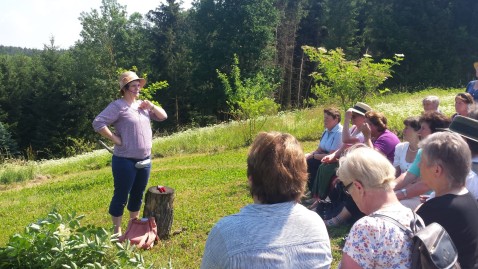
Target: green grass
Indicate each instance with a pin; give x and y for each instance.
(205, 166)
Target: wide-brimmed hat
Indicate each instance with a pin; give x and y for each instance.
(475, 64)
(129, 76)
(361, 108)
(464, 126)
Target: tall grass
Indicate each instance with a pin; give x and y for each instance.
(305, 125)
(205, 166)
(16, 172)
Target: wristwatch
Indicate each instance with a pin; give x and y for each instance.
(404, 192)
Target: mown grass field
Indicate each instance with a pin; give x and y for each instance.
(206, 167)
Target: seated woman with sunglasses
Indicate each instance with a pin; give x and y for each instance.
(374, 242)
(377, 137)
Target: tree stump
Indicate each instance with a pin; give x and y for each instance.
(160, 206)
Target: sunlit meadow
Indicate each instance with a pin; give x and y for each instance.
(205, 166)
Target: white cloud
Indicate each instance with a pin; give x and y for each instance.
(31, 23)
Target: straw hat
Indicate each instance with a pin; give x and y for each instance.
(361, 108)
(464, 126)
(129, 76)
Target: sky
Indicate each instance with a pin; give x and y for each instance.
(32, 23)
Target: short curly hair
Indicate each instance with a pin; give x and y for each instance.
(333, 112)
(276, 168)
(435, 120)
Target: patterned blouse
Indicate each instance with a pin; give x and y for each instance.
(377, 243)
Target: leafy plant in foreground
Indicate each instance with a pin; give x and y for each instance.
(57, 242)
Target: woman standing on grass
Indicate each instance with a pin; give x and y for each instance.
(132, 137)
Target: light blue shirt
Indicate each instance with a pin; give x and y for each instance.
(331, 140)
(283, 235)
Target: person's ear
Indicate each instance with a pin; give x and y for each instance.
(358, 186)
(249, 180)
(438, 170)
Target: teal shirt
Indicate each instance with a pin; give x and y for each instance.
(414, 167)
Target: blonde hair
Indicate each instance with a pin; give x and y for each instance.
(367, 166)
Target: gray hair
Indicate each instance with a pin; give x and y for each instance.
(473, 111)
(368, 166)
(451, 152)
(432, 99)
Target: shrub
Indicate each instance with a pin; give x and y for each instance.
(57, 242)
(348, 81)
(250, 101)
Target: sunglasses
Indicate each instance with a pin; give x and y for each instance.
(355, 115)
(346, 188)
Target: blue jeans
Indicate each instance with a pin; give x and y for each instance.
(128, 180)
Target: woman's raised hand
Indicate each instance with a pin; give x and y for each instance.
(146, 105)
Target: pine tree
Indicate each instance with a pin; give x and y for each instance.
(8, 146)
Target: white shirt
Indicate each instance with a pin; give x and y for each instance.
(472, 184)
(400, 156)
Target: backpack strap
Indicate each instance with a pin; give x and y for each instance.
(409, 232)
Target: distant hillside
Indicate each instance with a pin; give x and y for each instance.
(17, 50)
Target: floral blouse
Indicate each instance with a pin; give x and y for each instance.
(377, 243)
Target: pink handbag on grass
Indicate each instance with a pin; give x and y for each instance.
(141, 232)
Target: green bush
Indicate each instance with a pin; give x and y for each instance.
(250, 100)
(57, 242)
(348, 81)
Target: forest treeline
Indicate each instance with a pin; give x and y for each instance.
(49, 97)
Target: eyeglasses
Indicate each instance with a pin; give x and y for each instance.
(346, 188)
(134, 86)
(355, 115)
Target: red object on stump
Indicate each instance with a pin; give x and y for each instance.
(159, 204)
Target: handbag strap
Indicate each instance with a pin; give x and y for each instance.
(154, 228)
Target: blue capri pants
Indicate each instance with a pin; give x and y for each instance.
(128, 181)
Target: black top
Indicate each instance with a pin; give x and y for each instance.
(458, 214)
